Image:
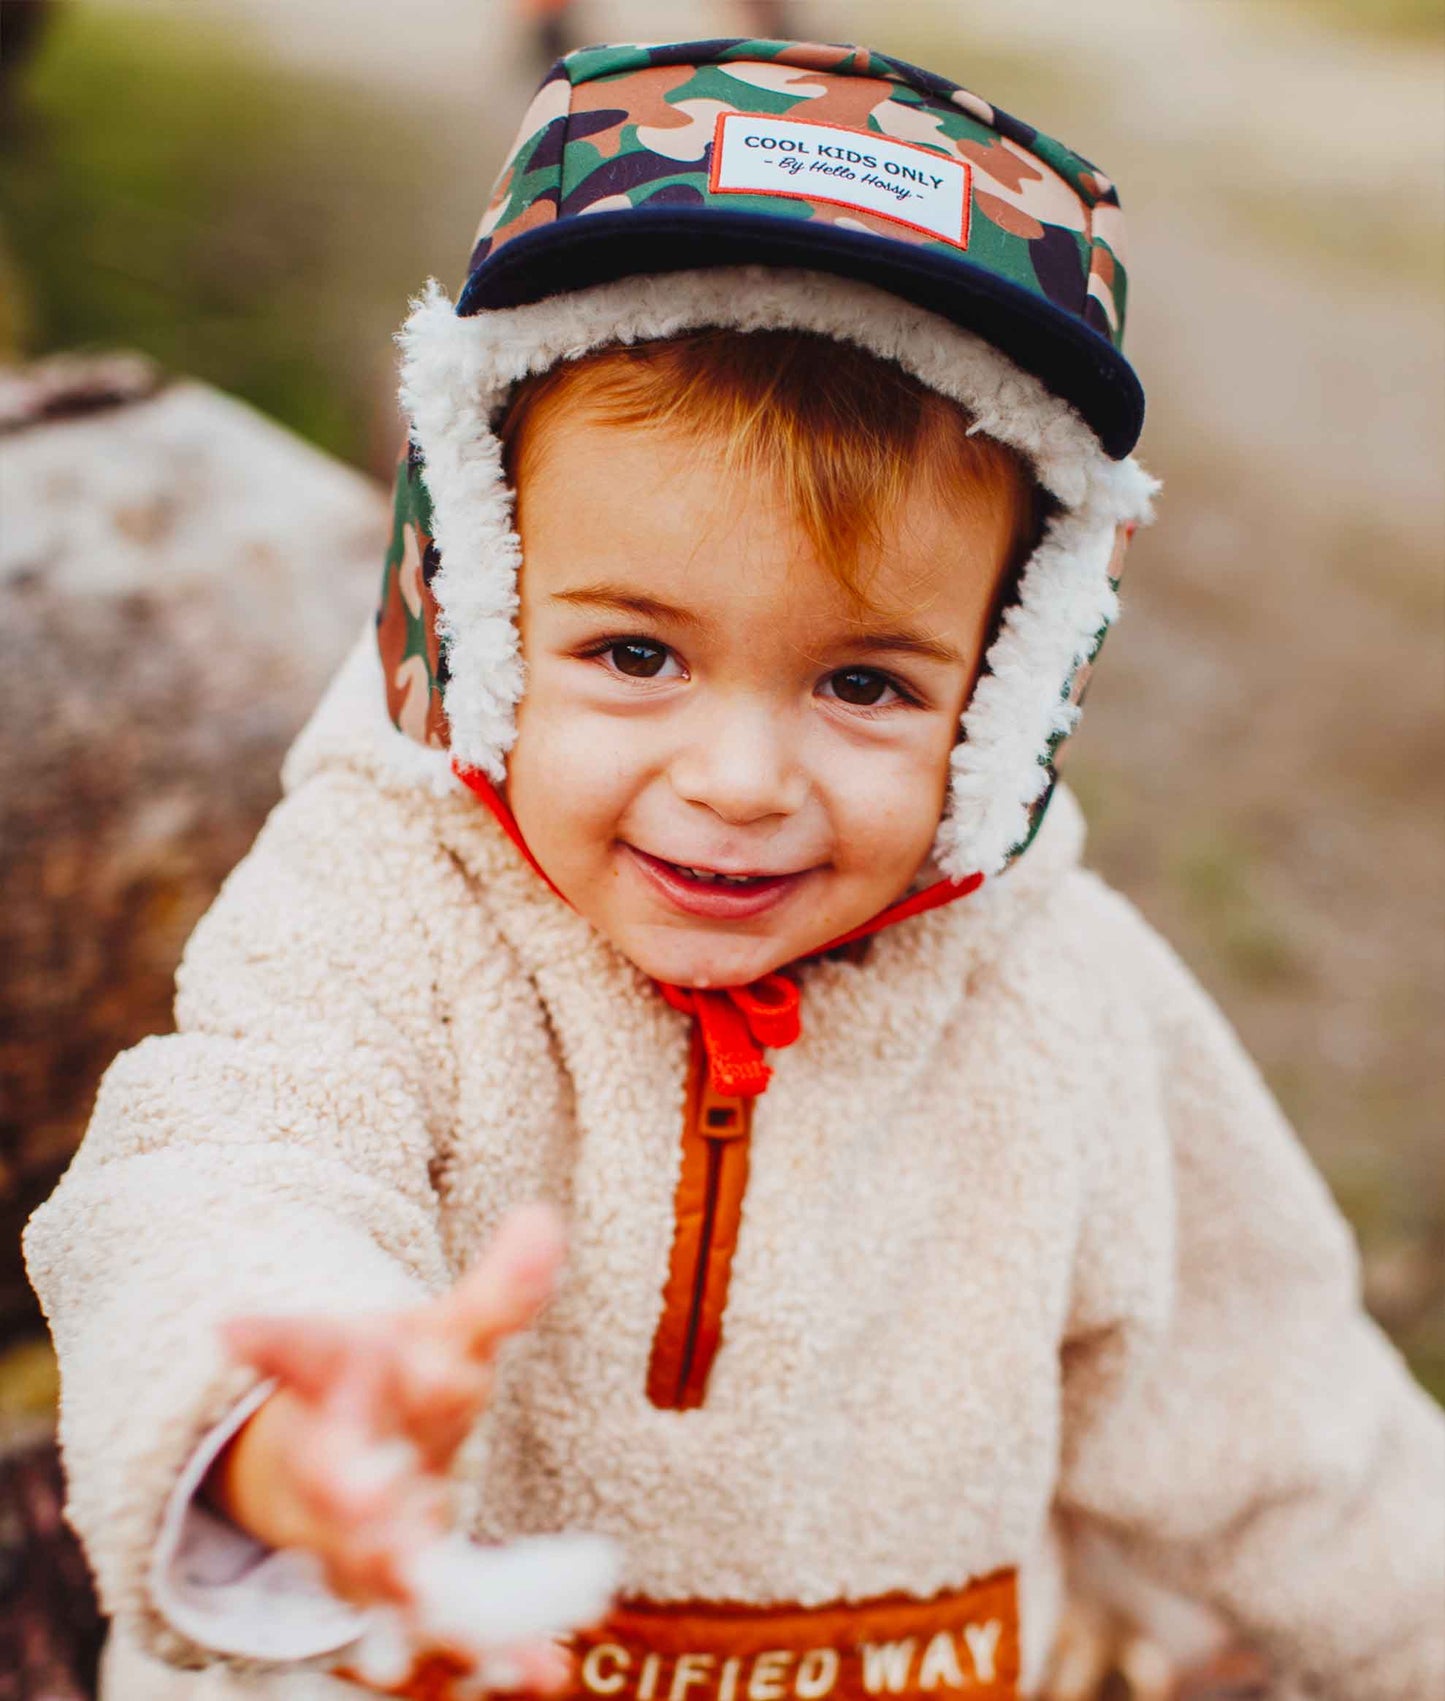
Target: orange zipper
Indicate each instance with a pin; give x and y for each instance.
(708, 1212)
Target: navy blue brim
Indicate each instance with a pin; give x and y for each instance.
(1069, 357)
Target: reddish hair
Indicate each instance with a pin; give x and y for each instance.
(845, 433)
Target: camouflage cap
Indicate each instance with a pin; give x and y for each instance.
(749, 185)
(642, 159)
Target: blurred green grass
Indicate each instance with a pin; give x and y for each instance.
(164, 188)
(1217, 876)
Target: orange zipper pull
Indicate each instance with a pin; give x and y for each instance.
(708, 1213)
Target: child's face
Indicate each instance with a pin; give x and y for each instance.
(703, 698)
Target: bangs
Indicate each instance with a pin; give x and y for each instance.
(845, 435)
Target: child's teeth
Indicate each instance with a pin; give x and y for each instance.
(709, 878)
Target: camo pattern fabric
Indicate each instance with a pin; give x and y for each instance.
(628, 126)
(413, 662)
(634, 126)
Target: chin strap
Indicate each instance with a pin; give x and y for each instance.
(737, 1023)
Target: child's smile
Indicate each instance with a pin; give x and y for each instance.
(723, 760)
(719, 893)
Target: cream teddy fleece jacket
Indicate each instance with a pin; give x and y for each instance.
(1024, 1240)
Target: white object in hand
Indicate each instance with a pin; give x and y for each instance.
(384, 1653)
(481, 1601)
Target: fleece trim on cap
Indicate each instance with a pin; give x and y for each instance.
(458, 371)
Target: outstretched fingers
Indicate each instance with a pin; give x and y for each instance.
(311, 1355)
(509, 1284)
(372, 1508)
(440, 1391)
(349, 1459)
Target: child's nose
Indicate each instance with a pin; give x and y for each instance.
(741, 765)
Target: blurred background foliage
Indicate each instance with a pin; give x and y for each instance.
(248, 192)
(165, 187)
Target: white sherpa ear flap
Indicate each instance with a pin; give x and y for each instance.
(457, 372)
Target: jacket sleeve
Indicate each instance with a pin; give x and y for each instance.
(1250, 1436)
(271, 1155)
(228, 1592)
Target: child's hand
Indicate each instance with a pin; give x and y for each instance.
(348, 1460)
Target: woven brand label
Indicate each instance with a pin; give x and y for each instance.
(758, 155)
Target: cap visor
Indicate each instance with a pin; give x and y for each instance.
(1069, 357)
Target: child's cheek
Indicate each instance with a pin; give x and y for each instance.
(572, 774)
(887, 812)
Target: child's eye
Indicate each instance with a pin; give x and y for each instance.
(638, 658)
(862, 688)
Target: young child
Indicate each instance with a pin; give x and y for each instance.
(687, 855)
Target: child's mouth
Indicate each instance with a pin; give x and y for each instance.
(710, 892)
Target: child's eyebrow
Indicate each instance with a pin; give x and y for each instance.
(628, 602)
(904, 644)
(655, 609)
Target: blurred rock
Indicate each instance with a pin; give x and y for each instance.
(178, 577)
(50, 1625)
(68, 385)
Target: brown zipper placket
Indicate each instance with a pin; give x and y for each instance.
(707, 1214)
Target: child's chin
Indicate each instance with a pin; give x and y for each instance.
(706, 960)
